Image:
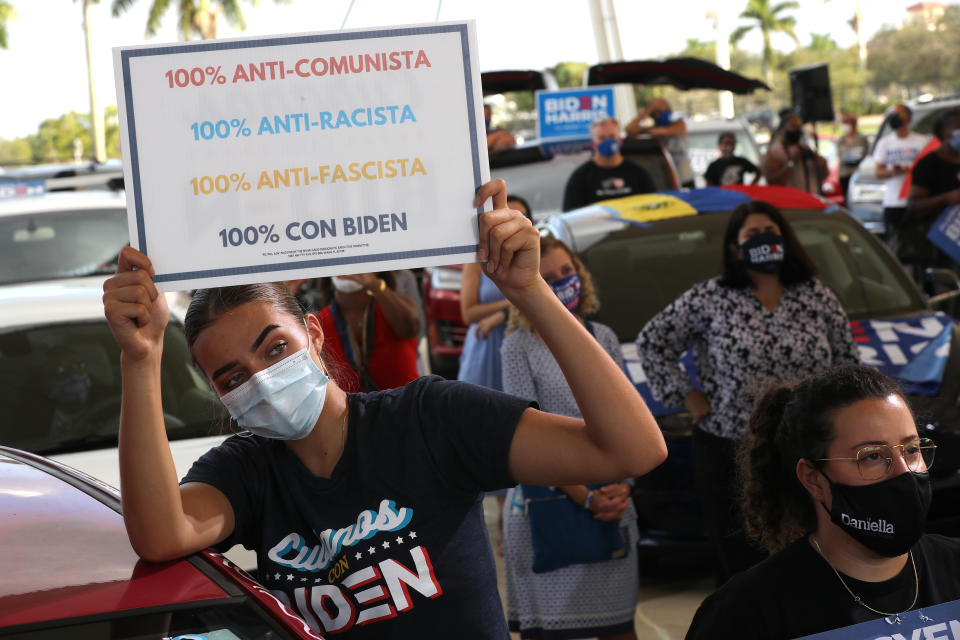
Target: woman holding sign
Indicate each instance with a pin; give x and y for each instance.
(364, 509)
(836, 480)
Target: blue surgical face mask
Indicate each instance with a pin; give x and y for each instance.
(283, 401)
(664, 118)
(568, 290)
(70, 389)
(955, 140)
(609, 147)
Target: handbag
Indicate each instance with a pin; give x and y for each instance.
(563, 533)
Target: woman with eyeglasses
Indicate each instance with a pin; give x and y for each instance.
(836, 483)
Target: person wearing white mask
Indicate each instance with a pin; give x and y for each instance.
(365, 510)
(371, 332)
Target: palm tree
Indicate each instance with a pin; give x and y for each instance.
(197, 17)
(769, 19)
(7, 13)
(96, 118)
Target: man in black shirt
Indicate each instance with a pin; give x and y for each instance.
(607, 174)
(729, 168)
(935, 186)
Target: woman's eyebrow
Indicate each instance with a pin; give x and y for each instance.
(263, 336)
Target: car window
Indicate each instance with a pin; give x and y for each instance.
(211, 622)
(638, 274)
(60, 388)
(61, 244)
(703, 149)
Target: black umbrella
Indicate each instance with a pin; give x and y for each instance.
(682, 73)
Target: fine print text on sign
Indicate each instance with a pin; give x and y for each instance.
(274, 158)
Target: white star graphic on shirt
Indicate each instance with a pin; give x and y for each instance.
(276, 576)
(290, 576)
(303, 579)
(399, 539)
(358, 556)
(316, 580)
(372, 550)
(412, 534)
(386, 544)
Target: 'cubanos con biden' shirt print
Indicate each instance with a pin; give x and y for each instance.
(393, 544)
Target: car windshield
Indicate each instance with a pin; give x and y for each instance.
(638, 274)
(703, 149)
(227, 621)
(61, 244)
(60, 388)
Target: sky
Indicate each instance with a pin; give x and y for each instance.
(44, 71)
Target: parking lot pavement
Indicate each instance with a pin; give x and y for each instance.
(667, 601)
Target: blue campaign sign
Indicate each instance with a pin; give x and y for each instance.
(945, 232)
(940, 622)
(567, 114)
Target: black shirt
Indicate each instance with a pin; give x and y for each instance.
(729, 170)
(936, 174)
(795, 593)
(591, 183)
(393, 544)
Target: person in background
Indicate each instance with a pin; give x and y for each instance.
(498, 138)
(371, 332)
(672, 131)
(852, 147)
(596, 599)
(729, 168)
(765, 318)
(894, 155)
(789, 161)
(935, 186)
(607, 174)
(484, 309)
(836, 485)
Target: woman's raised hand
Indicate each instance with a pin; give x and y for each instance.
(508, 242)
(136, 312)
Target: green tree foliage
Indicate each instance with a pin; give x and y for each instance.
(569, 74)
(769, 19)
(917, 58)
(7, 13)
(54, 140)
(196, 17)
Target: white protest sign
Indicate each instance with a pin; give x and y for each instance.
(274, 158)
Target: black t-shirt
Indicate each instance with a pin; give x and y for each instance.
(795, 593)
(591, 183)
(394, 544)
(936, 174)
(729, 170)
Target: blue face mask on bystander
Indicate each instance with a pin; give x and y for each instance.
(609, 147)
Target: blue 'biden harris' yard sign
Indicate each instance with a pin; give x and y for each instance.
(568, 113)
(945, 232)
(940, 622)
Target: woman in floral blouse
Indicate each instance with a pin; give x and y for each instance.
(766, 318)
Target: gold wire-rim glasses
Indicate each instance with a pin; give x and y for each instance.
(922, 458)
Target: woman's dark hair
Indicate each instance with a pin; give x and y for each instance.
(797, 266)
(792, 422)
(208, 304)
(526, 205)
(943, 120)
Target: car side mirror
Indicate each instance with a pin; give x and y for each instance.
(943, 284)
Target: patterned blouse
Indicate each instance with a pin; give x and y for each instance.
(740, 347)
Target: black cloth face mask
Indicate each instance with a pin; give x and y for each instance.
(763, 253)
(896, 121)
(886, 517)
(791, 137)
